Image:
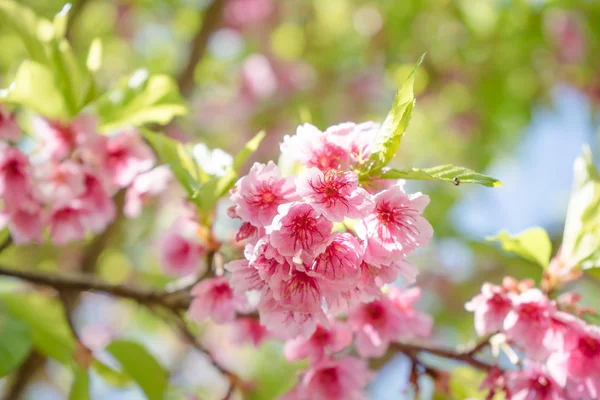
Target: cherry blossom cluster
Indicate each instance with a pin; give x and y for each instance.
(559, 352)
(62, 178)
(321, 245)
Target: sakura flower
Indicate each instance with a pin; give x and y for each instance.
(214, 298)
(180, 248)
(343, 379)
(127, 156)
(249, 330)
(66, 224)
(245, 277)
(322, 342)
(340, 260)
(97, 207)
(9, 129)
(334, 194)
(214, 162)
(258, 194)
(298, 227)
(25, 222)
(299, 292)
(417, 323)
(533, 383)
(375, 324)
(395, 228)
(14, 176)
(60, 183)
(529, 320)
(312, 148)
(58, 140)
(490, 308)
(286, 322)
(357, 139)
(143, 188)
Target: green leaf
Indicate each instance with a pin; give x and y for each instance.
(388, 139)
(34, 87)
(178, 157)
(60, 21)
(532, 244)
(140, 99)
(50, 332)
(15, 342)
(26, 24)
(112, 377)
(445, 173)
(242, 156)
(94, 58)
(143, 368)
(80, 389)
(581, 239)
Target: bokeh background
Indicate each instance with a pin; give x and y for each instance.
(508, 87)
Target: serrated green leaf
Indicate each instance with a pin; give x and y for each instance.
(15, 342)
(178, 157)
(112, 377)
(388, 139)
(446, 173)
(581, 239)
(140, 99)
(532, 244)
(34, 87)
(143, 368)
(45, 317)
(80, 389)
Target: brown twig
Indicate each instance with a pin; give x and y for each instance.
(210, 21)
(462, 356)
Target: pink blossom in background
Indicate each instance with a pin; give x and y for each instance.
(249, 330)
(490, 308)
(144, 187)
(299, 227)
(180, 248)
(313, 148)
(343, 379)
(241, 13)
(59, 183)
(59, 140)
(396, 227)
(66, 224)
(258, 195)
(417, 323)
(214, 298)
(533, 384)
(127, 156)
(334, 194)
(25, 222)
(529, 320)
(98, 208)
(322, 342)
(258, 78)
(14, 176)
(9, 129)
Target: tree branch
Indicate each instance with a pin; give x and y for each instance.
(465, 356)
(210, 22)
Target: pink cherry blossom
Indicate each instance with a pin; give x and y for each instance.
(343, 379)
(180, 248)
(340, 260)
(357, 139)
(60, 183)
(258, 195)
(98, 208)
(66, 224)
(396, 228)
(322, 342)
(289, 323)
(312, 148)
(9, 129)
(214, 298)
(127, 156)
(299, 292)
(14, 176)
(25, 222)
(529, 320)
(245, 277)
(533, 383)
(298, 227)
(144, 187)
(416, 323)
(59, 140)
(490, 308)
(334, 194)
(249, 330)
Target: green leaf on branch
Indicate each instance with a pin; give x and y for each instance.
(581, 239)
(532, 244)
(112, 377)
(80, 389)
(27, 25)
(388, 139)
(45, 317)
(15, 342)
(143, 368)
(178, 157)
(140, 99)
(445, 173)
